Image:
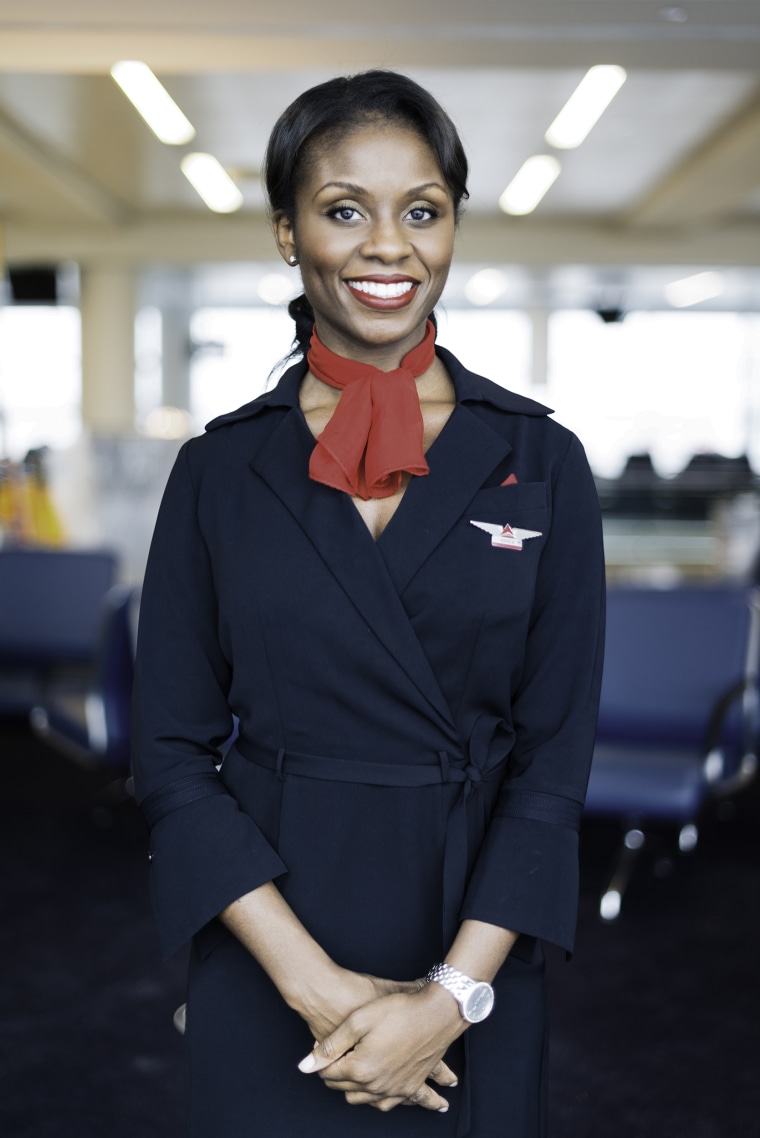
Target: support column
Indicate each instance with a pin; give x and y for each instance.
(539, 366)
(107, 303)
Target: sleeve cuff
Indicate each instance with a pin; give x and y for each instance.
(204, 856)
(526, 879)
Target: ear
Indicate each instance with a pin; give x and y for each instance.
(284, 235)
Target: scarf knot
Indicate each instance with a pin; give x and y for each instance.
(376, 432)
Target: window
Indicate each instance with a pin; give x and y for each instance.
(671, 383)
(239, 348)
(40, 378)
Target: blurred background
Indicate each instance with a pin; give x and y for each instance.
(608, 264)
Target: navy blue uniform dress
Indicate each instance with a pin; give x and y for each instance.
(417, 717)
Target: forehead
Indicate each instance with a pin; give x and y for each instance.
(373, 154)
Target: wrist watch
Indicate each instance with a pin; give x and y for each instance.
(475, 997)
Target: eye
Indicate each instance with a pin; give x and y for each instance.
(422, 213)
(344, 213)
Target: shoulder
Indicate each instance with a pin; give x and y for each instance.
(283, 394)
(236, 431)
(473, 388)
(514, 416)
(242, 414)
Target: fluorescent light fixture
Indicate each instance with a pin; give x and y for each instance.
(207, 175)
(275, 288)
(693, 290)
(585, 106)
(529, 184)
(153, 102)
(485, 286)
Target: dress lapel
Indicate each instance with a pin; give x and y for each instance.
(461, 458)
(340, 536)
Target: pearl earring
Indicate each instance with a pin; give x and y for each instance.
(292, 259)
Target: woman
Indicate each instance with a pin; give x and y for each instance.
(390, 570)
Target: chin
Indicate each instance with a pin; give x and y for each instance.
(390, 326)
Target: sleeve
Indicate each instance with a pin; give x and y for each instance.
(205, 852)
(525, 877)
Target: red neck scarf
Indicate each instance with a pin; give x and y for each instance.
(375, 432)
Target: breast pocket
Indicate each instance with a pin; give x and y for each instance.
(471, 586)
(506, 500)
(502, 536)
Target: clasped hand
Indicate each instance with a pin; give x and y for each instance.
(393, 1040)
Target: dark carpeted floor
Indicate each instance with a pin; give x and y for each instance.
(655, 1022)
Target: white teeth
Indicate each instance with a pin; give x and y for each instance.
(383, 291)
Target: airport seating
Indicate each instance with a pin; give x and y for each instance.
(678, 720)
(93, 725)
(50, 603)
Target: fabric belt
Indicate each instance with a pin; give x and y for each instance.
(439, 770)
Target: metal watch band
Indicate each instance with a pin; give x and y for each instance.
(459, 985)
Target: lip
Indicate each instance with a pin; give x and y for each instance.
(384, 278)
(384, 304)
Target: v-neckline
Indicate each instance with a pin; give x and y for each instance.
(414, 481)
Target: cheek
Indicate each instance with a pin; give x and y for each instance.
(324, 248)
(321, 274)
(318, 276)
(438, 255)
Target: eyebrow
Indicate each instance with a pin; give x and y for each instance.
(359, 190)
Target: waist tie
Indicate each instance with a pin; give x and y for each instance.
(437, 771)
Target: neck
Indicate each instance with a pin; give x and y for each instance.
(385, 357)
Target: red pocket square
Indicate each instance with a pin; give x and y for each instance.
(511, 481)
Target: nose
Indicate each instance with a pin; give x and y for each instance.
(386, 241)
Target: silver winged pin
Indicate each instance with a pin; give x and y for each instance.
(507, 537)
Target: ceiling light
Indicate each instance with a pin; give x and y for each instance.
(529, 184)
(585, 106)
(207, 175)
(153, 101)
(693, 290)
(275, 288)
(485, 286)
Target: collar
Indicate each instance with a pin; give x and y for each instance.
(469, 388)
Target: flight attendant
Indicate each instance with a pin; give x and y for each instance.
(389, 569)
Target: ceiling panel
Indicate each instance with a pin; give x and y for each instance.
(631, 16)
(652, 123)
(193, 34)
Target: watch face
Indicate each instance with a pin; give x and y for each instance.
(478, 1003)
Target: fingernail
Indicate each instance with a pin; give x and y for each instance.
(442, 1109)
(307, 1064)
(455, 1083)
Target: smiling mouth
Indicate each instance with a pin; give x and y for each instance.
(383, 291)
(383, 294)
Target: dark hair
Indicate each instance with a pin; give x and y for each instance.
(335, 108)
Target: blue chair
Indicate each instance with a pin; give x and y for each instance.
(50, 603)
(93, 726)
(678, 722)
